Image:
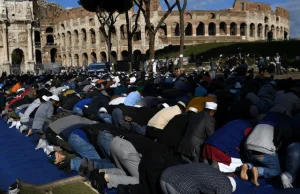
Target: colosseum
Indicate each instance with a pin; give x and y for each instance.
(36, 31)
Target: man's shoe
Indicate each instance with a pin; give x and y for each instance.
(18, 125)
(23, 128)
(42, 144)
(91, 168)
(14, 123)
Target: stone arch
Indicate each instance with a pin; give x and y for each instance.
(212, 16)
(50, 39)
(76, 60)
(252, 30)
(64, 60)
(188, 16)
(114, 57)
(138, 33)
(188, 29)
(17, 60)
(83, 35)
(175, 29)
(94, 57)
(133, 18)
(103, 56)
(243, 29)
(277, 19)
(93, 36)
(281, 32)
(266, 30)
(62, 26)
(137, 58)
(124, 55)
(223, 28)
(37, 38)
(60, 58)
(266, 19)
(259, 30)
(76, 37)
(38, 56)
(70, 60)
(201, 29)
(58, 39)
(123, 32)
(63, 37)
(49, 30)
(53, 53)
(212, 29)
(69, 38)
(277, 33)
(233, 29)
(273, 29)
(113, 33)
(85, 59)
(163, 30)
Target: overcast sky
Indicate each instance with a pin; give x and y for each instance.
(292, 5)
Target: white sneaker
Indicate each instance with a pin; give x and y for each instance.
(286, 182)
(18, 125)
(10, 120)
(42, 143)
(23, 128)
(48, 150)
(14, 123)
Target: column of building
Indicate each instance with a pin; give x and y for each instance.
(30, 62)
(5, 50)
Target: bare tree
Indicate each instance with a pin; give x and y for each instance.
(181, 9)
(130, 34)
(145, 6)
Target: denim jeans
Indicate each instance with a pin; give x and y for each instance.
(268, 164)
(77, 111)
(137, 128)
(105, 117)
(103, 141)
(293, 160)
(87, 150)
(118, 119)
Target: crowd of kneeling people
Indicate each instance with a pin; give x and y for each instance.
(172, 133)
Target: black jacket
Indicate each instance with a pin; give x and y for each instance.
(199, 128)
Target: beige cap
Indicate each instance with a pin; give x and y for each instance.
(192, 109)
(182, 103)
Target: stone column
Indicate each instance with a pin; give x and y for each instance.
(263, 33)
(5, 44)
(255, 32)
(238, 30)
(97, 33)
(169, 30)
(195, 30)
(6, 63)
(80, 40)
(30, 61)
(248, 31)
(206, 29)
(217, 30)
(228, 29)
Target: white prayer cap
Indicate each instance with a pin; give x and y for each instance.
(211, 105)
(165, 105)
(182, 103)
(45, 98)
(102, 109)
(192, 109)
(54, 97)
(137, 106)
(233, 183)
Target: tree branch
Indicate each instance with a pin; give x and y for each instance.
(136, 21)
(167, 13)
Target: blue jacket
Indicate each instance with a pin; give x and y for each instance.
(229, 137)
(82, 103)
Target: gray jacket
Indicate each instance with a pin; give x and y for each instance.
(44, 112)
(74, 120)
(199, 128)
